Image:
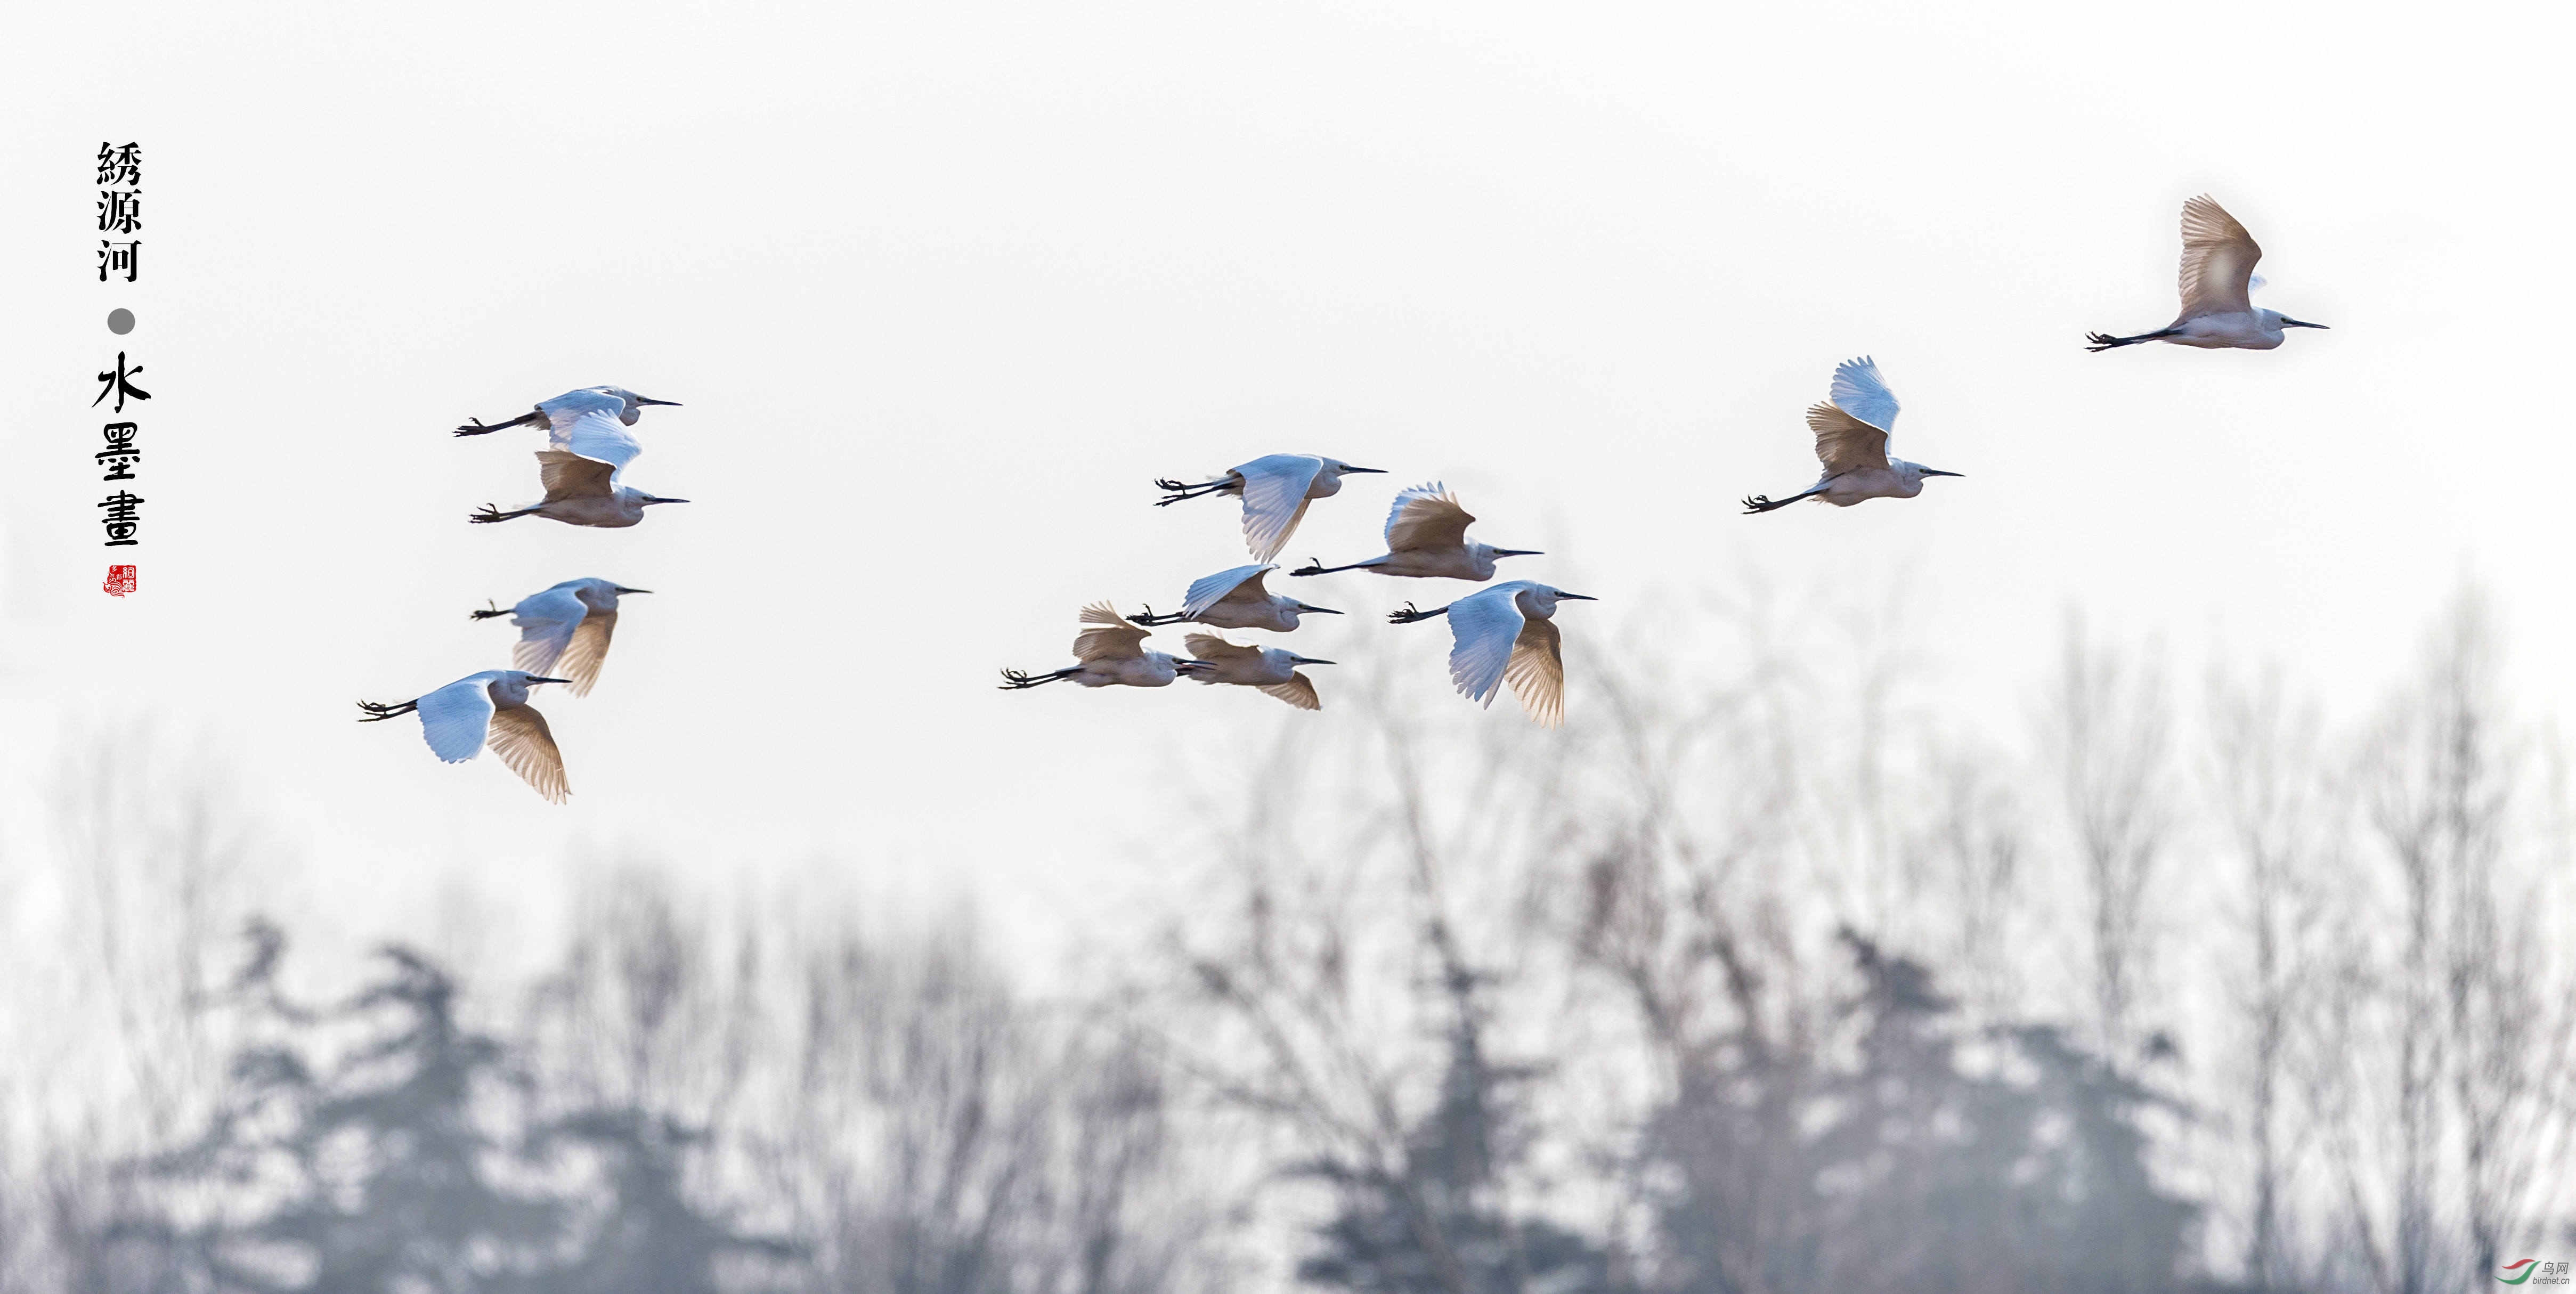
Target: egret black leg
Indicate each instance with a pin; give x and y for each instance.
(1765, 503)
(378, 711)
(1412, 615)
(2105, 341)
(487, 614)
(1149, 619)
(1015, 679)
(491, 514)
(1181, 490)
(478, 427)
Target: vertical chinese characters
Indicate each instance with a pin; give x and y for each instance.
(120, 210)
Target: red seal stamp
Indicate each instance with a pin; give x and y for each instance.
(120, 581)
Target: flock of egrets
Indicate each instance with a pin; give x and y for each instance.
(1501, 635)
(566, 626)
(1507, 633)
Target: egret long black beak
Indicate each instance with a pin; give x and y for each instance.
(2288, 322)
(1319, 611)
(1309, 660)
(659, 500)
(622, 590)
(534, 679)
(1364, 471)
(1934, 471)
(1579, 597)
(673, 403)
(1518, 552)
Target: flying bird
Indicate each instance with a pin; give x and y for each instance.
(1275, 490)
(1112, 652)
(560, 412)
(1505, 634)
(2218, 281)
(1851, 441)
(493, 705)
(1426, 537)
(580, 491)
(571, 623)
(1235, 600)
(1271, 669)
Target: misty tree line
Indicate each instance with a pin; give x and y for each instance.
(1778, 983)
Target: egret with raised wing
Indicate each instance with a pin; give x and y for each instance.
(2218, 282)
(1112, 653)
(1235, 599)
(1426, 538)
(1506, 633)
(1275, 490)
(460, 718)
(571, 623)
(1851, 441)
(1271, 669)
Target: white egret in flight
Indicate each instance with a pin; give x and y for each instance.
(1271, 669)
(493, 705)
(571, 623)
(1112, 652)
(580, 491)
(560, 412)
(1505, 633)
(1426, 537)
(1275, 490)
(2217, 289)
(1851, 440)
(1235, 600)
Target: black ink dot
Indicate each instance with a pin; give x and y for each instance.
(120, 321)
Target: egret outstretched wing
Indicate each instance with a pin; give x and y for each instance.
(587, 648)
(546, 622)
(1274, 499)
(1210, 590)
(1537, 672)
(1845, 443)
(1426, 517)
(1859, 391)
(1210, 647)
(1298, 691)
(1109, 638)
(2217, 260)
(1485, 626)
(455, 717)
(521, 739)
(567, 475)
(590, 423)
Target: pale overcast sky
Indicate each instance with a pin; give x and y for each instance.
(944, 286)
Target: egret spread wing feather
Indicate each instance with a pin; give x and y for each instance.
(1537, 672)
(2217, 261)
(587, 649)
(1210, 590)
(1485, 627)
(1213, 648)
(1110, 637)
(1274, 499)
(521, 739)
(601, 438)
(1298, 691)
(567, 475)
(1845, 443)
(1859, 391)
(1426, 517)
(455, 717)
(546, 622)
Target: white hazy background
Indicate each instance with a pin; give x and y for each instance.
(943, 287)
